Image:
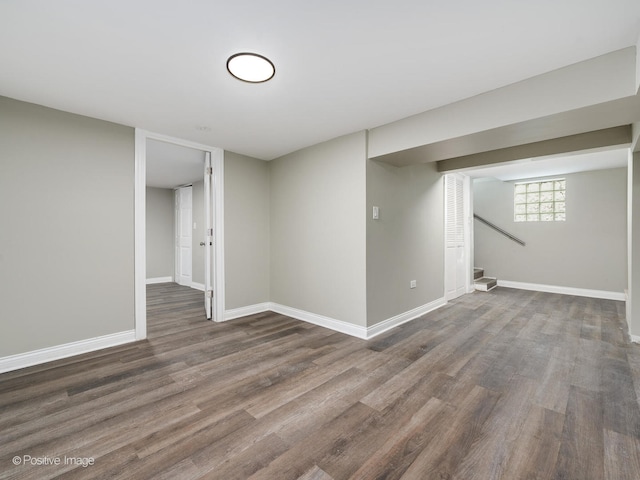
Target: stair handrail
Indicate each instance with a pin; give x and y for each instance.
(498, 229)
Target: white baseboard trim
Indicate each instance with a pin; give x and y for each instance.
(635, 338)
(405, 317)
(151, 281)
(198, 286)
(36, 357)
(248, 310)
(330, 323)
(358, 331)
(579, 292)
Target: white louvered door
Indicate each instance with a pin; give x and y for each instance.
(455, 264)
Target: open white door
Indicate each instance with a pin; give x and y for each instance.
(208, 237)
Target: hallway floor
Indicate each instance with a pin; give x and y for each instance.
(508, 384)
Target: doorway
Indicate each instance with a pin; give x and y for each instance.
(212, 166)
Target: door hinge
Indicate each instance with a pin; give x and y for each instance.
(209, 171)
(210, 232)
(209, 293)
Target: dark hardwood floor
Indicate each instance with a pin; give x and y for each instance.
(501, 385)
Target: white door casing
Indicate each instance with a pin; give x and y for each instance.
(209, 268)
(140, 293)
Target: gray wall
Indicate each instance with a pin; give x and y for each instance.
(66, 241)
(197, 213)
(587, 251)
(246, 230)
(160, 212)
(406, 242)
(318, 229)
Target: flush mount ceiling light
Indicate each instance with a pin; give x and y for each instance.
(251, 67)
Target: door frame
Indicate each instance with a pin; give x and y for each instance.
(140, 251)
(468, 232)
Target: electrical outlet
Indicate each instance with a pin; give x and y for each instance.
(413, 284)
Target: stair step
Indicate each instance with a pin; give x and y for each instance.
(478, 273)
(485, 284)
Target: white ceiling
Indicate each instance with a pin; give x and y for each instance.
(341, 66)
(170, 166)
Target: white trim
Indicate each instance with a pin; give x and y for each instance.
(358, 331)
(405, 317)
(330, 323)
(208, 236)
(44, 355)
(217, 160)
(176, 239)
(151, 281)
(248, 310)
(469, 234)
(468, 231)
(140, 235)
(632, 282)
(198, 286)
(579, 292)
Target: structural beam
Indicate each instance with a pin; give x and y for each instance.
(609, 137)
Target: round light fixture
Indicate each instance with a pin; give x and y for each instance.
(251, 67)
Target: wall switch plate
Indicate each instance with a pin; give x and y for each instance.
(413, 284)
(376, 213)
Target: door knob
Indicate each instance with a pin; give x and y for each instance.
(202, 244)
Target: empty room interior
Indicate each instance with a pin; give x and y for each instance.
(357, 240)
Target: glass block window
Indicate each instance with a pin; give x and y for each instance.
(540, 201)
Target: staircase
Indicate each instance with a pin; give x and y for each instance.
(482, 283)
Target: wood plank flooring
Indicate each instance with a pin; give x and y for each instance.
(501, 385)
